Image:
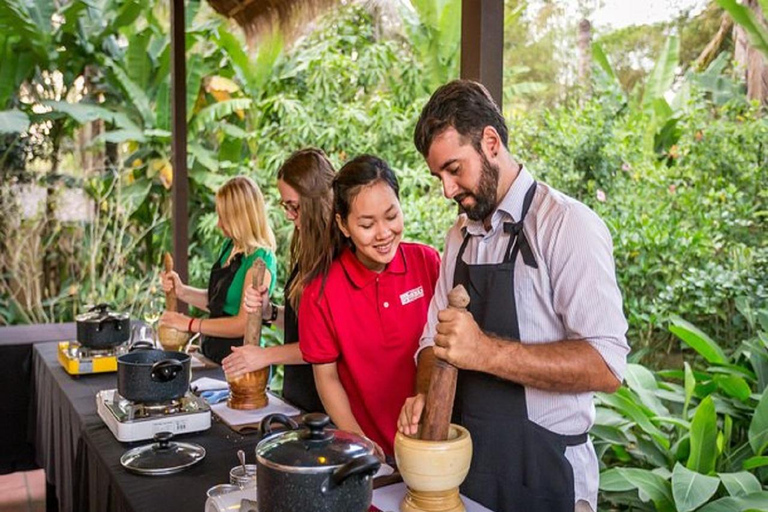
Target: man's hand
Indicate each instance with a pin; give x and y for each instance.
(242, 360)
(410, 415)
(460, 341)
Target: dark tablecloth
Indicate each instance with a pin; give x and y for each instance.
(17, 452)
(82, 457)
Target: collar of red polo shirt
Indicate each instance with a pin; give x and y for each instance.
(361, 276)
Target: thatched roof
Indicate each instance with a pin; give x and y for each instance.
(254, 15)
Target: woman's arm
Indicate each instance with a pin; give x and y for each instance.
(225, 327)
(233, 326)
(334, 397)
(253, 299)
(336, 402)
(250, 358)
(196, 297)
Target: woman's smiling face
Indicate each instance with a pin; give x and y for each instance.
(374, 225)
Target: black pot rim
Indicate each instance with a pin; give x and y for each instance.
(179, 356)
(304, 470)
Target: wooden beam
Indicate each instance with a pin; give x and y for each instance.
(180, 197)
(482, 44)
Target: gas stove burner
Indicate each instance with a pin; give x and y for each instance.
(77, 351)
(79, 360)
(158, 409)
(133, 421)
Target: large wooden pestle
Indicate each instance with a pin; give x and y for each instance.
(249, 391)
(442, 384)
(171, 303)
(253, 322)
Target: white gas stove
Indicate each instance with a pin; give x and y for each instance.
(130, 421)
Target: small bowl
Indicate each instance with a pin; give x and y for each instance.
(243, 481)
(221, 489)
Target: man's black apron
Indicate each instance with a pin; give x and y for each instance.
(517, 465)
(217, 348)
(298, 380)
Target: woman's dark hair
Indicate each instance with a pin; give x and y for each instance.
(310, 174)
(360, 172)
(464, 105)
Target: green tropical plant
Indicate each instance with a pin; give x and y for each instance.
(680, 440)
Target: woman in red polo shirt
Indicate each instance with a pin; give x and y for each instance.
(362, 317)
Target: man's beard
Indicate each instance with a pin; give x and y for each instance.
(485, 195)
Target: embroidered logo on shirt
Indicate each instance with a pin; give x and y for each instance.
(411, 295)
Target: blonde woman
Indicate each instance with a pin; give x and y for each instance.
(243, 221)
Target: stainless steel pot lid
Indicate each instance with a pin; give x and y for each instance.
(100, 313)
(162, 457)
(312, 448)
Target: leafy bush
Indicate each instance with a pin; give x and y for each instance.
(667, 441)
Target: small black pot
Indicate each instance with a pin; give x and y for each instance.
(100, 328)
(151, 376)
(314, 469)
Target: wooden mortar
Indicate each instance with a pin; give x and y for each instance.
(249, 391)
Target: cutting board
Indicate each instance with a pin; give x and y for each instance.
(244, 421)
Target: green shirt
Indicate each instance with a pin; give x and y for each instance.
(235, 292)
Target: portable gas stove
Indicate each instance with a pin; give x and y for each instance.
(79, 360)
(131, 421)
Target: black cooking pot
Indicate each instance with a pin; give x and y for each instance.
(313, 469)
(151, 376)
(100, 328)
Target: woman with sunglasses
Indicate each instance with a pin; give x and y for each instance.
(304, 184)
(243, 221)
(362, 316)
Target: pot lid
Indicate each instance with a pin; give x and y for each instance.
(311, 448)
(100, 313)
(162, 457)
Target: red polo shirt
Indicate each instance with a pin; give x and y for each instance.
(370, 323)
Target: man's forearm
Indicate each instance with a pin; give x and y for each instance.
(569, 366)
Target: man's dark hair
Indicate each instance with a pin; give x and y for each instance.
(466, 106)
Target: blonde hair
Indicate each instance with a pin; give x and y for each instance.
(243, 215)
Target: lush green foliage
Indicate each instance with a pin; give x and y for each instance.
(668, 441)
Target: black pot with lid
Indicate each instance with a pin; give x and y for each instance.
(314, 468)
(163, 457)
(100, 328)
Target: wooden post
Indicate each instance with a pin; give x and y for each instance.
(482, 44)
(442, 384)
(179, 216)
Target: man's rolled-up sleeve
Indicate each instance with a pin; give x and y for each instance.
(585, 292)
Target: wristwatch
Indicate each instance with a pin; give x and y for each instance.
(272, 317)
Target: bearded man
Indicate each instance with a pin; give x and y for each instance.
(545, 327)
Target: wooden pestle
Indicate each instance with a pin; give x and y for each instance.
(248, 391)
(253, 321)
(171, 303)
(442, 384)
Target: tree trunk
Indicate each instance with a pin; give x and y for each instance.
(713, 47)
(749, 62)
(585, 54)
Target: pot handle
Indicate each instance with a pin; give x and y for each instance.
(141, 345)
(364, 466)
(166, 370)
(266, 424)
